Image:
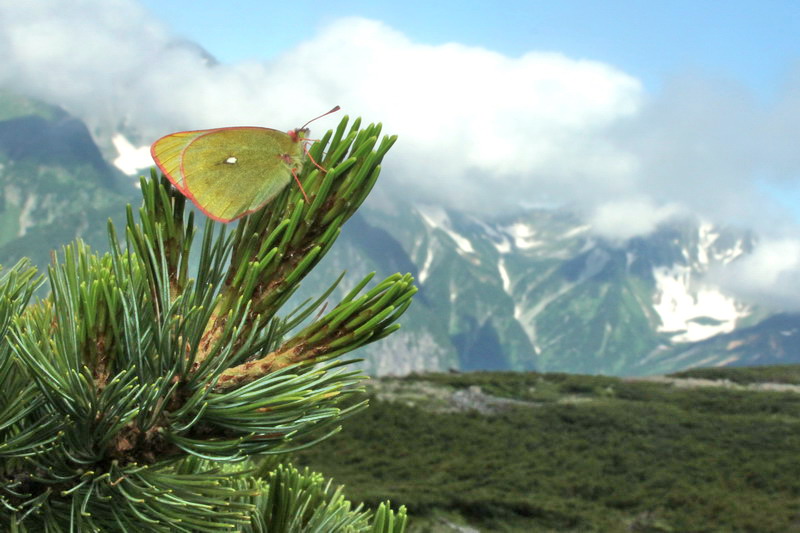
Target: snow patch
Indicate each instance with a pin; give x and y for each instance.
(708, 361)
(527, 311)
(732, 253)
(575, 231)
(130, 159)
(692, 313)
(426, 266)
(436, 218)
(706, 239)
(501, 267)
(727, 361)
(523, 236)
(503, 247)
(498, 239)
(26, 219)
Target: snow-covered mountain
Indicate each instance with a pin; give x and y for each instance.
(532, 290)
(538, 290)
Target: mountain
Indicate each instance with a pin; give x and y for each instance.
(55, 183)
(538, 290)
(775, 340)
(533, 290)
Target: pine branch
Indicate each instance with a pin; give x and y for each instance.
(154, 353)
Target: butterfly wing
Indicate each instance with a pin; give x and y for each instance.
(231, 172)
(167, 152)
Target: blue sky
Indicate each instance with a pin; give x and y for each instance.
(750, 42)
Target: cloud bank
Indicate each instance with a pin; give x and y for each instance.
(478, 130)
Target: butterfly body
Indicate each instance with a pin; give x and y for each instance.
(230, 172)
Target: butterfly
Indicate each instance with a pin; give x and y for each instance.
(231, 172)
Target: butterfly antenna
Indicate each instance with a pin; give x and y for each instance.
(334, 110)
(294, 134)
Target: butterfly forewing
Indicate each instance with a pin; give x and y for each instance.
(230, 172)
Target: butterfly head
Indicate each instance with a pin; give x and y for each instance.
(298, 134)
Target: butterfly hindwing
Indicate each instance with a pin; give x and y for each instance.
(167, 152)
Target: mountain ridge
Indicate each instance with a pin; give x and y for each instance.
(532, 290)
(545, 293)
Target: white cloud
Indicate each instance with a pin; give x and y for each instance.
(478, 130)
(770, 274)
(87, 55)
(623, 219)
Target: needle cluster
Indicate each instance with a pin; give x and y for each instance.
(145, 391)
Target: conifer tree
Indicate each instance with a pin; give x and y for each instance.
(151, 388)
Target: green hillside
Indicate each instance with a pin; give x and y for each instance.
(55, 184)
(576, 453)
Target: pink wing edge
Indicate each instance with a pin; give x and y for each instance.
(160, 165)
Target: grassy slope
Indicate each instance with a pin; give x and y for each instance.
(788, 374)
(588, 454)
